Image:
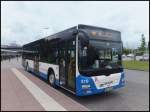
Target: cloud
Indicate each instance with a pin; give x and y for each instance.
(23, 21)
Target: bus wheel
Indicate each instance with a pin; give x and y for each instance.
(52, 79)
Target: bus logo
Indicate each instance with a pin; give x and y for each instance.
(106, 84)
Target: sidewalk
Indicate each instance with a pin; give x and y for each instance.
(27, 93)
(14, 96)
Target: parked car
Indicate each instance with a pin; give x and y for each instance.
(138, 58)
(124, 56)
(130, 55)
(145, 57)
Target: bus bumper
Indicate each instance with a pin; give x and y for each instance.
(92, 89)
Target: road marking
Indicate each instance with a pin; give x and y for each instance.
(48, 103)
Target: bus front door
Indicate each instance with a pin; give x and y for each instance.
(71, 70)
(67, 68)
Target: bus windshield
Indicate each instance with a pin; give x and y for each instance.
(100, 57)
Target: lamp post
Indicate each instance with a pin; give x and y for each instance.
(45, 28)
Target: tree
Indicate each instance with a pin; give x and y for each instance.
(126, 51)
(143, 44)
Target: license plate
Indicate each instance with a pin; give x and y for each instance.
(108, 89)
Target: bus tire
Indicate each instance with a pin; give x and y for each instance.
(51, 79)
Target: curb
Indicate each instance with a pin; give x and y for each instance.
(137, 70)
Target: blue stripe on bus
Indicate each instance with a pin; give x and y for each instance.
(43, 75)
(82, 92)
(93, 90)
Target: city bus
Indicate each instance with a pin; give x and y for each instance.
(83, 59)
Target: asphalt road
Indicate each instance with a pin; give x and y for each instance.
(134, 96)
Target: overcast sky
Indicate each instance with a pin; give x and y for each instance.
(24, 21)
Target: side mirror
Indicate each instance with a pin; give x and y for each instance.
(75, 32)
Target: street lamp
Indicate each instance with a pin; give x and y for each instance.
(45, 28)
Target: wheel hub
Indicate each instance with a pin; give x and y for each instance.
(51, 79)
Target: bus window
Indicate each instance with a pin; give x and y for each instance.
(99, 57)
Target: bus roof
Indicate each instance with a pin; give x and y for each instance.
(92, 31)
(95, 27)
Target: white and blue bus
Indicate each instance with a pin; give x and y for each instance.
(84, 59)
